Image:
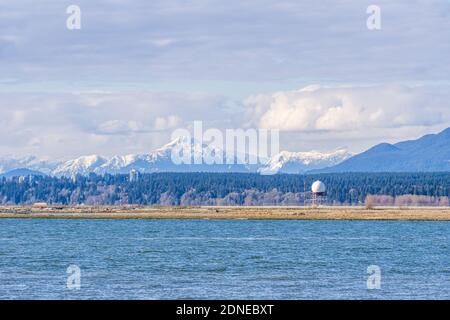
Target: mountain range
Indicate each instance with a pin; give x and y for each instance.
(430, 153)
(160, 160)
(426, 154)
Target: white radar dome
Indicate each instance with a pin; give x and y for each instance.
(318, 187)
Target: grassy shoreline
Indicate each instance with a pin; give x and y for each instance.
(228, 213)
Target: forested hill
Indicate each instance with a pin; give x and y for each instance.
(218, 188)
(430, 153)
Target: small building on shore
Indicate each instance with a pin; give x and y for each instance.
(40, 205)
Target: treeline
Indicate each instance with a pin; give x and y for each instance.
(225, 189)
(407, 200)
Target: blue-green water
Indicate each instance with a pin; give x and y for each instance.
(185, 259)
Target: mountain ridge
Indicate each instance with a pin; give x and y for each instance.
(160, 160)
(429, 153)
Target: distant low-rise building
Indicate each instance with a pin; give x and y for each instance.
(40, 205)
(134, 175)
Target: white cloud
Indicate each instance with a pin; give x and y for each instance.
(165, 123)
(67, 125)
(214, 41)
(162, 42)
(129, 51)
(349, 108)
(119, 126)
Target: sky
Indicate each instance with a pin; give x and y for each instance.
(137, 70)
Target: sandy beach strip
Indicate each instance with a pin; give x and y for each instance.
(227, 213)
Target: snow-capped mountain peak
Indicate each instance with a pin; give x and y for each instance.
(82, 165)
(196, 153)
(300, 162)
(29, 162)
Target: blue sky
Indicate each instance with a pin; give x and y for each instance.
(138, 69)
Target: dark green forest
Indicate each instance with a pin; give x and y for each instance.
(222, 189)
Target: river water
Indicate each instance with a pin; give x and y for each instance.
(214, 259)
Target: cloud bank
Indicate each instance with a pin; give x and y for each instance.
(314, 117)
(213, 43)
(352, 108)
(139, 69)
(73, 124)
